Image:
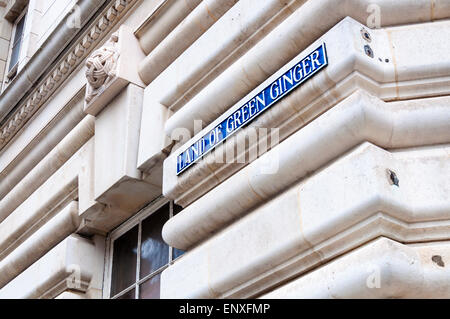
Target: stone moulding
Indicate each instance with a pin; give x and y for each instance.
(56, 158)
(364, 117)
(102, 26)
(232, 36)
(57, 271)
(350, 69)
(227, 39)
(49, 235)
(381, 269)
(298, 230)
(182, 36)
(13, 8)
(16, 165)
(292, 35)
(47, 201)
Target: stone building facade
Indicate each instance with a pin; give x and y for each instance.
(224, 149)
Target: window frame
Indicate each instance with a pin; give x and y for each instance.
(11, 72)
(135, 220)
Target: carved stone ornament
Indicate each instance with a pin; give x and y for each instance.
(101, 68)
(111, 68)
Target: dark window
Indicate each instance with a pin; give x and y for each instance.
(128, 295)
(150, 288)
(16, 45)
(124, 262)
(141, 250)
(154, 251)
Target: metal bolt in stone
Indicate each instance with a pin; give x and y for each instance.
(368, 50)
(366, 35)
(438, 260)
(393, 179)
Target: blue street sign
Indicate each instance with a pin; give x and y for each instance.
(260, 102)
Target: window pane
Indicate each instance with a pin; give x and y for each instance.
(154, 251)
(19, 30)
(17, 43)
(14, 56)
(124, 261)
(129, 295)
(150, 288)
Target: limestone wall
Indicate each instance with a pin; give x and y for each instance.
(350, 191)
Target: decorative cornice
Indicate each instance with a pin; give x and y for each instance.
(78, 52)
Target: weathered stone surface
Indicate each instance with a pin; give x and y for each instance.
(117, 181)
(347, 204)
(76, 263)
(349, 69)
(359, 179)
(381, 269)
(357, 119)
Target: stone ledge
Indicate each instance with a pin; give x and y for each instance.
(75, 264)
(359, 118)
(293, 35)
(13, 8)
(38, 244)
(380, 269)
(349, 69)
(297, 231)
